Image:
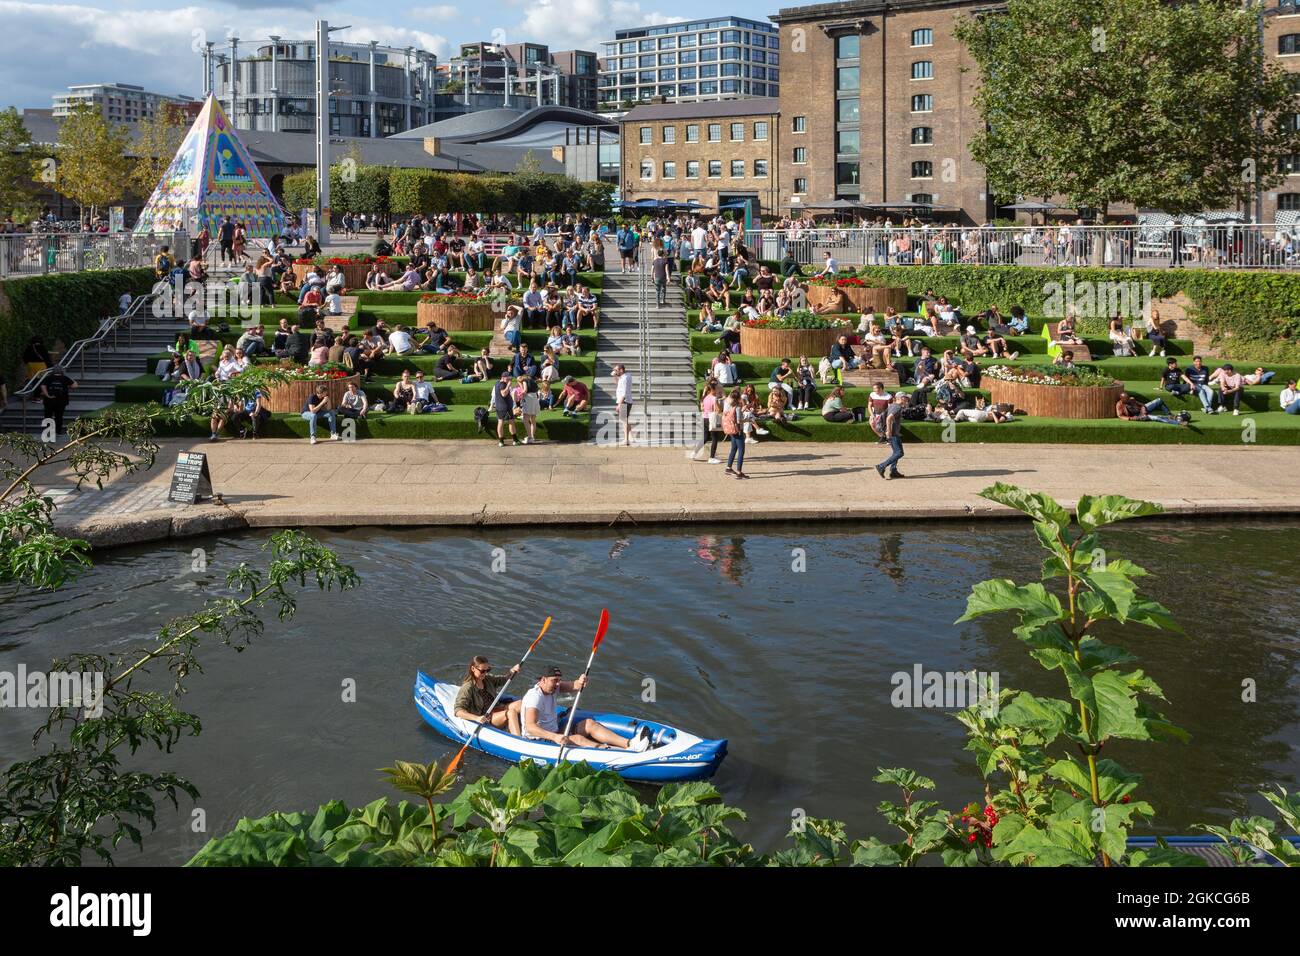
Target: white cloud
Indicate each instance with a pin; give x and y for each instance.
(440, 12)
(154, 48)
(580, 24)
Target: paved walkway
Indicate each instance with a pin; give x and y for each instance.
(291, 483)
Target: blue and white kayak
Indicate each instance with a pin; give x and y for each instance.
(678, 755)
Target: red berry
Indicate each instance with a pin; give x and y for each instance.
(1126, 798)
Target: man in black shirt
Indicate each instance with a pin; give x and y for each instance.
(226, 237)
(1172, 379)
(55, 392)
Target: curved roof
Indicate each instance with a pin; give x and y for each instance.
(485, 126)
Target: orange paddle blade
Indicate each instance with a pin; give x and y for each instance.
(539, 636)
(601, 628)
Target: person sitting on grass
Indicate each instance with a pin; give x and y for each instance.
(555, 339)
(1064, 360)
(843, 357)
(425, 398)
(983, 412)
(970, 344)
(1197, 376)
(318, 405)
(524, 363)
(783, 377)
(570, 344)
(1231, 385)
(575, 397)
(252, 415)
(1259, 376)
(777, 403)
(805, 384)
(1172, 380)
(1065, 330)
(750, 408)
(400, 342)
(483, 368)
(1019, 322)
(379, 281)
(403, 393)
(1289, 399)
(927, 369)
(1121, 343)
(438, 340)
(1129, 409)
(588, 308)
(725, 370)
(354, 405)
(717, 292)
(1156, 331)
(998, 345)
(511, 323)
(545, 397)
(445, 369)
(833, 409)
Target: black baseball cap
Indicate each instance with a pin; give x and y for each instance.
(551, 670)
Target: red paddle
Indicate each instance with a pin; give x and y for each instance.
(601, 628)
(455, 762)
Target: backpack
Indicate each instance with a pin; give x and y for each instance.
(481, 419)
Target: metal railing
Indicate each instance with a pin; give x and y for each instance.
(31, 254)
(76, 353)
(1224, 245)
(644, 384)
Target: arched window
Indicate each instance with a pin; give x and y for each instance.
(922, 135)
(922, 169)
(922, 69)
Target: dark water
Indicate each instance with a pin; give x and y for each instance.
(793, 668)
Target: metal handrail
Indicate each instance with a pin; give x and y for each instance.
(77, 351)
(643, 331)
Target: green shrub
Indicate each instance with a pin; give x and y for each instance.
(63, 307)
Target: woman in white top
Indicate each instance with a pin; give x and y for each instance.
(1120, 341)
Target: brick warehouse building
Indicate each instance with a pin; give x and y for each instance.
(876, 105)
(712, 152)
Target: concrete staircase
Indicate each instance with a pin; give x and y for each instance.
(670, 414)
(103, 368)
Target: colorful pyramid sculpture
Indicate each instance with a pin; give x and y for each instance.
(212, 177)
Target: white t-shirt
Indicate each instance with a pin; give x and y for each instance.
(545, 706)
(623, 392)
(698, 237)
(399, 342)
(334, 303)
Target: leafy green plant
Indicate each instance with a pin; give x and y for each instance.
(799, 319)
(1244, 833)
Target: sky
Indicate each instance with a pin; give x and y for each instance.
(50, 45)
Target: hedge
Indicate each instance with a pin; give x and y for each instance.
(60, 308)
(1250, 316)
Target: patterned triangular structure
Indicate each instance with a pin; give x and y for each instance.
(212, 177)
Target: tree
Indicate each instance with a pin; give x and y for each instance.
(596, 200)
(16, 193)
(157, 141)
(300, 191)
(1127, 101)
(90, 163)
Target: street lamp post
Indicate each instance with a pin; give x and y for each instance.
(323, 31)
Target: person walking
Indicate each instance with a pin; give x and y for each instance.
(55, 393)
(623, 400)
(731, 427)
(710, 423)
(890, 432)
(226, 237)
(659, 270)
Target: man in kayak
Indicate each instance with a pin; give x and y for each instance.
(541, 723)
(477, 692)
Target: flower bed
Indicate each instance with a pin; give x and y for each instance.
(1049, 392)
(457, 312)
(292, 395)
(354, 268)
(799, 333)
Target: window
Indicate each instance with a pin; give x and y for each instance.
(709, 89)
(670, 169)
(737, 169)
(922, 169)
(647, 169)
(670, 134)
(846, 111)
(846, 174)
(1288, 44)
(846, 48)
(801, 154)
(711, 55)
(1289, 165)
(922, 70)
(667, 75)
(922, 103)
(760, 168)
(715, 132)
(1292, 123)
(730, 36)
(731, 86)
(715, 168)
(923, 37)
(686, 89)
(707, 38)
(760, 130)
(667, 59)
(922, 135)
(1288, 202)
(646, 45)
(686, 56)
(688, 40)
(731, 53)
(686, 73)
(648, 60)
(1294, 80)
(799, 124)
(667, 43)
(800, 184)
(692, 132)
(846, 79)
(692, 169)
(846, 142)
(737, 132)
(709, 69)
(645, 136)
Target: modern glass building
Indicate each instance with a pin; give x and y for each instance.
(718, 59)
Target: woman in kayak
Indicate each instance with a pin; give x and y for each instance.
(540, 722)
(477, 692)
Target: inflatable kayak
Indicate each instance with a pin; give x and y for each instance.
(676, 755)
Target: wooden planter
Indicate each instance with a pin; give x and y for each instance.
(820, 295)
(1057, 401)
(859, 300)
(291, 396)
(457, 316)
(354, 273)
(789, 343)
